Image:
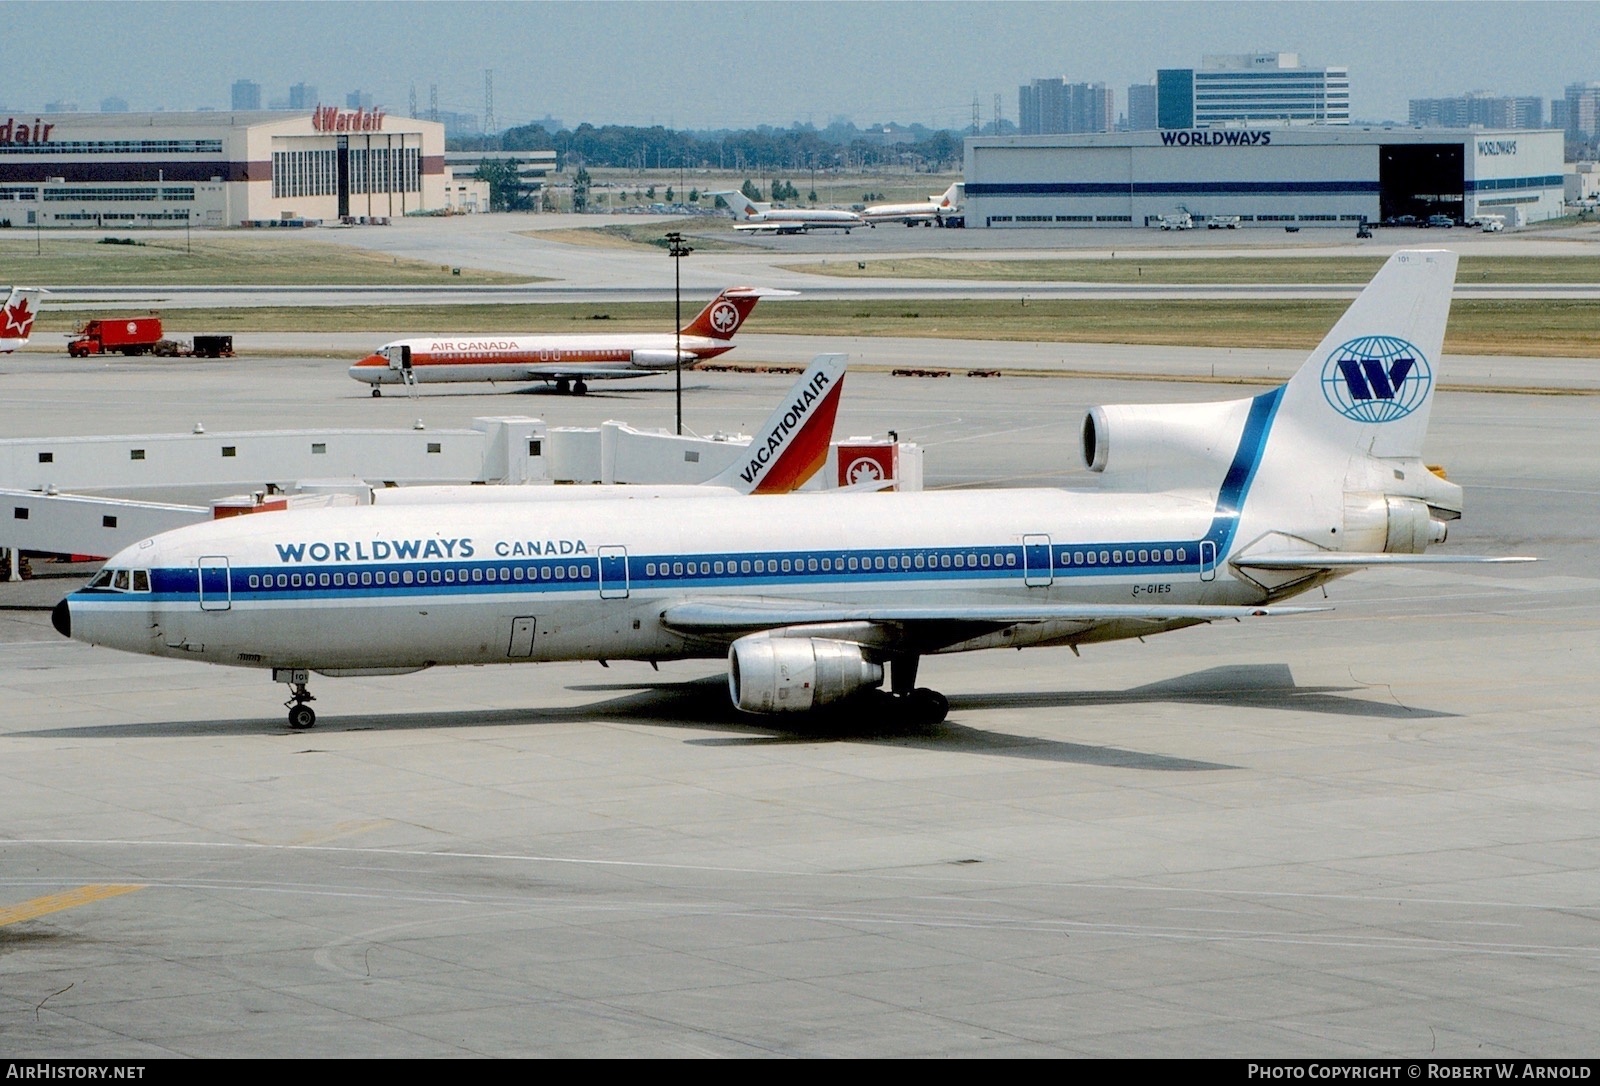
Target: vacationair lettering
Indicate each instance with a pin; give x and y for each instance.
(1217, 138)
(763, 454)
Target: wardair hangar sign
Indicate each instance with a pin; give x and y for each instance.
(334, 119)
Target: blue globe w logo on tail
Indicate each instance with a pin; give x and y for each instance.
(1376, 379)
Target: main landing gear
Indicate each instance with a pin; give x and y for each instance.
(575, 388)
(917, 704)
(301, 715)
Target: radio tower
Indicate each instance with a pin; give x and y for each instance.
(996, 119)
(433, 101)
(977, 121)
(488, 101)
(413, 100)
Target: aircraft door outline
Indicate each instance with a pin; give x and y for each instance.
(1208, 560)
(1038, 570)
(214, 580)
(613, 572)
(522, 630)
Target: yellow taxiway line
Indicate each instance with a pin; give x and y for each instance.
(69, 899)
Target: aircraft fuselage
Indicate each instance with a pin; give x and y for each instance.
(471, 584)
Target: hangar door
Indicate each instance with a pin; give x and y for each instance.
(1421, 179)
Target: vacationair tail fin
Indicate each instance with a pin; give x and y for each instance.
(792, 445)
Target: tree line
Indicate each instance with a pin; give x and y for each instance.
(763, 150)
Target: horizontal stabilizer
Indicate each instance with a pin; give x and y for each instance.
(1338, 560)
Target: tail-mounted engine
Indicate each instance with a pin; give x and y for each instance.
(1162, 446)
(768, 674)
(1388, 524)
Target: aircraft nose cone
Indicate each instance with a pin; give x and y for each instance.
(61, 619)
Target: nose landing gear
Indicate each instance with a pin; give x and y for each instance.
(301, 715)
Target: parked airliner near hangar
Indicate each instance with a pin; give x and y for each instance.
(765, 219)
(932, 210)
(567, 361)
(1207, 511)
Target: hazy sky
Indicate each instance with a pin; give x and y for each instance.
(739, 63)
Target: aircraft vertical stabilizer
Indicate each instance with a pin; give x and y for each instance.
(792, 445)
(1369, 384)
(17, 317)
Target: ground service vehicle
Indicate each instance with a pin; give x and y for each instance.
(135, 335)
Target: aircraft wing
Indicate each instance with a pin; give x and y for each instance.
(889, 624)
(583, 373)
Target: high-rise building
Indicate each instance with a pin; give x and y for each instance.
(1252, 88)
(113, 105)
(1175, 98)
(1583, 112)
(1054, 106)
(358, 100)
(302, 96)
(1478, 108)
(1142, 113)
(246, 95)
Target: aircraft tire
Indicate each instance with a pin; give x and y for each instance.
(927, 707)
(579, 388)
(302, 717)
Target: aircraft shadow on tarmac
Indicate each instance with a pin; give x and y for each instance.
(702, 704)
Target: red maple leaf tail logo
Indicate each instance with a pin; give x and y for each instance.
(19, 320)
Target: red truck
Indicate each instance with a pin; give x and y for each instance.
(135, 335)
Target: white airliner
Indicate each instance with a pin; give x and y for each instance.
(1207, 511)
(766, 219)
(931, 210)
(16, 319)
(567, 361)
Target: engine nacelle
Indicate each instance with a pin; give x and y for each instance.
(1383, 522)
(768, 674)
(656, 360)
(1162, 445)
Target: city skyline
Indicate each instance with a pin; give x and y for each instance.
(708, 65)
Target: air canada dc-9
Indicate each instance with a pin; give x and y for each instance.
(1202, 512)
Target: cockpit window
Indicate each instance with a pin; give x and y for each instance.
(122, 580)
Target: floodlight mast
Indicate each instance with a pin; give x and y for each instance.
(677, 250)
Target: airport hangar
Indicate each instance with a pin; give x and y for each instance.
(217, 168)
(1289, 176)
